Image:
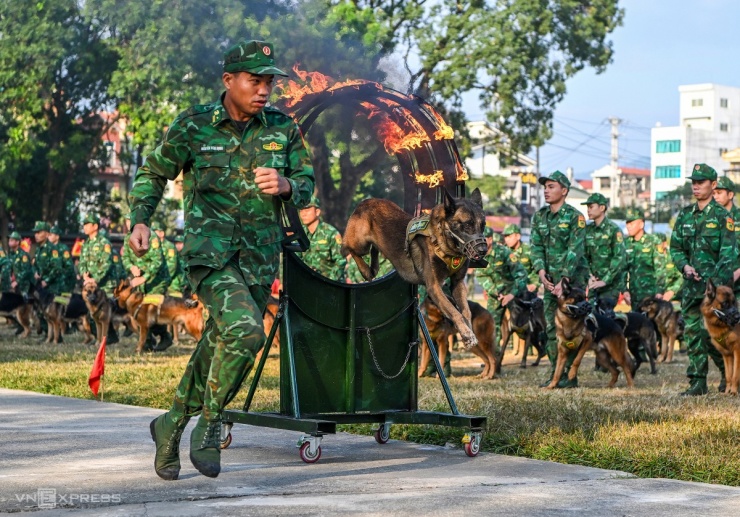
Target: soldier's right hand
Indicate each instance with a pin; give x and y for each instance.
(139, 240)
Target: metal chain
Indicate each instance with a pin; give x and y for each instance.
(412, 344)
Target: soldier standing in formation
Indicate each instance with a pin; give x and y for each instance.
(179, 285)
(96, 262)
(605, 252)
(324, 253)
(703, 247)
(558, 233)
(18, 273)
(513, 239)
(238, 158)
(168, 250)
(48, 262)
(724, 194)
(69, 275)
(644, 262)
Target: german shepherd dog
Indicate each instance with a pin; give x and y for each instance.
(722, 320)
(99, 308)
(577, 328)
(526, 319)
(453, 236)
(16, 307)
(441, 330)
(173, 311)
(638, 330)
(669, 323)
(58, 315)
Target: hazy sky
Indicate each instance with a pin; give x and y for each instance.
(662, 44)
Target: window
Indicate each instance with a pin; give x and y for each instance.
(661, 195)
(724, 127)
(110, 149)
(525, 193)
(697, 103)
(667, 171)
(668, 146)
(723, 103)
(605, 183)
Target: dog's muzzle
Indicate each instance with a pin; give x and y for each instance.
(729, 318)
(579, 309)
(475, 248)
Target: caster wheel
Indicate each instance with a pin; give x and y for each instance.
(472, 448)
(306, 454)
(383, 434)
(226, 441)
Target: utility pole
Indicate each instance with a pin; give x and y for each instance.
(616, 186)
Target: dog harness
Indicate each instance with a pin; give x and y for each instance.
(420, 226)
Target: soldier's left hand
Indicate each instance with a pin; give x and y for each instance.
(506, 299)
(270, 182)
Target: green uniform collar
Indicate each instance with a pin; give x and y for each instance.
(711, 204)
(220, 114)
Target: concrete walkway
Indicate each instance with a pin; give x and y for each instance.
(64, 456)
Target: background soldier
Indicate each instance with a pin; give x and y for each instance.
(179, 281)
(558, 233)
(168, 250)
(703, 247)
(69, 275)
(232, 239)
(96, 260)
(605, 252)
(324, 254)
(513, 239)
(644, 262)
(118, 272)
(19, 271)
(48, 262)
(724, 194)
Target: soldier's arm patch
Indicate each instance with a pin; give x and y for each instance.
(155, 244)
(513, 258)
(581, 221)
(620, 238)
(730, 224)
(338, 239)
(106, 248)
(55, 253)
(66, 254)
(25, 258)
(171, 252)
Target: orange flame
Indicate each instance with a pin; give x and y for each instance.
(433, 179)
(461, 174)
(314, 82)
(444, 132)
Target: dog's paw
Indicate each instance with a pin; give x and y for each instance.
(470, 341)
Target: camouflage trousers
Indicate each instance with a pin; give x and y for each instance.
(698, 344)
(551, 305)
(232, 337)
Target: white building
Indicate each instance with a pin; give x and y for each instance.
(623, 186)
(709, 125)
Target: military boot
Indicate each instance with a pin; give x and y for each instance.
(205, 447)
(697, 387)
(166, 434)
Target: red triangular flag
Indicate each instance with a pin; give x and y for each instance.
(98, 369)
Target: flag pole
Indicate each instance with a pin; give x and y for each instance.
(102, 387)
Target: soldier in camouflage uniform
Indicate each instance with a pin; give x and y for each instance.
(605, 252)
(69, 274)
(150, 272)
(644, 262)
(703, 247)
(354, 276)
(47, 261)
(513, 239)
(724, 194)
(179, 283)
(672, 279)
(168, 250)
(118, 271)
(558, 235)
(502, 279)
(96, 261)
(239, 158)
(18, 275)
(324, 253)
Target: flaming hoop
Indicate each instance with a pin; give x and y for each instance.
(408, 126)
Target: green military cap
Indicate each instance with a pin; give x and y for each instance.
(91, 218)
(725, 183)
(511, 229)
(255, 57)
(496, 237)
(41, 226)
(179, 238)
(634, 215)
(314, 202)
(557, 176)
(662, 236)
(15, 235)
(156, 225)
(597, 198)
(55, 230)
(702, 171)
(487, 231)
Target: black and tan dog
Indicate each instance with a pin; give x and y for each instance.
(578, 329)
(722, 321)
(441, 330)
(638, 330)
(668, 322)
(526, 319)
(99, 307)
(172, 311)
(58, 315)
(424, 250)
(17, 308)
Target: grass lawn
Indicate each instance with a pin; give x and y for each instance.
(649, 431)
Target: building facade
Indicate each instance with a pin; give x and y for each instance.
(623, 186)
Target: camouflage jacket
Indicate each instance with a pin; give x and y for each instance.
(4, 268)
(49, 264)
(170, 257)
(504, 273)
(605, 253)
(18, 267)
(152, 265)
(735, 214)
(70, 273)
(96, 260)
(179, 281)
(704, 239)
(644, 263)
(354, 275)
(324, 254)
(524, 253)
(558, 244)
(224, 210)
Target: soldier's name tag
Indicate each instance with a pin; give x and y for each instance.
(322, 241)
(211, 148)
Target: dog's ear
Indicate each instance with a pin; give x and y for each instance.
(476, 198)
(711, 290)
(449, 203)
(566, 286)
